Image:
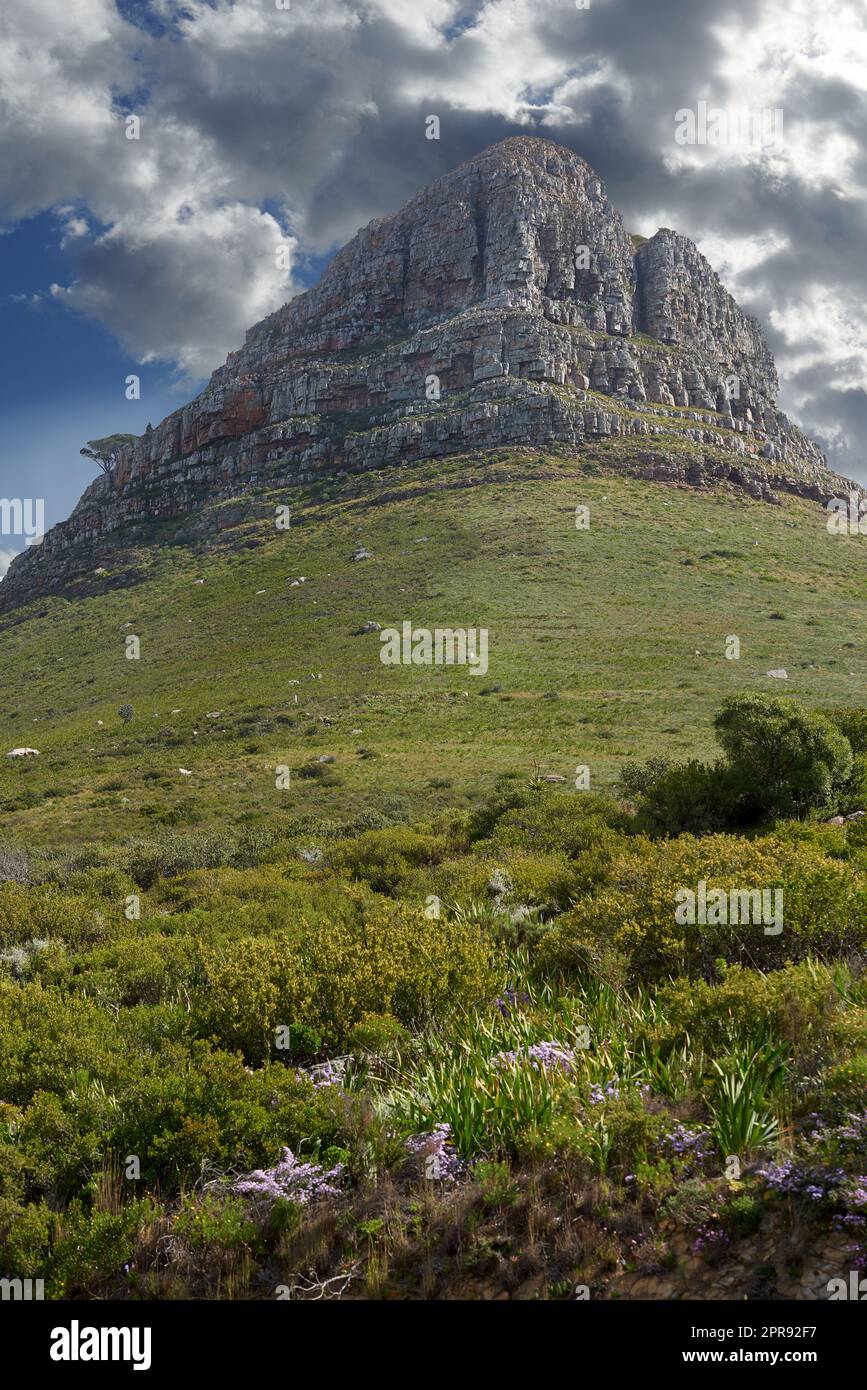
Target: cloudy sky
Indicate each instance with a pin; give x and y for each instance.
(296, 121)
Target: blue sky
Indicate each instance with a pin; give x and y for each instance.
(261, 127)
(62, 377)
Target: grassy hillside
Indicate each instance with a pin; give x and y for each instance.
(267, 1043)
(605, 643)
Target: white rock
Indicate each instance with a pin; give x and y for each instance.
(23, 753)
(781, 675)
(185, 772)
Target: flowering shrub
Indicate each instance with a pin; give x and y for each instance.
(693, 1145)
(436, 1153)
(544, 1056)
(711, 1241)
(290, 1179)
(821, 1176)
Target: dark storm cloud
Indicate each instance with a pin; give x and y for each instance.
(313, 120)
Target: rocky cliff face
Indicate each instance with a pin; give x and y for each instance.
(505, 304)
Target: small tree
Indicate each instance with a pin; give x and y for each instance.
(784, 759)
(104, 451)
(126, 713)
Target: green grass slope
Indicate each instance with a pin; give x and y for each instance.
(606, 643)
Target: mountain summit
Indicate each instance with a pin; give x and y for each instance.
(504, 305)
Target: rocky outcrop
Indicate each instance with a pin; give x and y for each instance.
(504, 304)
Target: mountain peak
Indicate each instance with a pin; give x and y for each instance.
(532, 150)
(504, 304)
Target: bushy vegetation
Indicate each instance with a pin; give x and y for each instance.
(223, 1054)
(780, 760)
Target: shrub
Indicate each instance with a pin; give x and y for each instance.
(852, 724)
(210, 1220)
(44, 912)
(560, 824)
(636, 779)
(176, 853)
(742, 1214)
(26, 1236)
(508, 881)
(824, 908)
(784, 758)
(843, 1086)
(497, 1187)
(854, 794)
(46, 1039)
(383, 858)
(388, 959)
(92, 1247)
(377, 1033)
(795, 1005)
(203, 1112)
(14, 864)
(105, 882)
(507, 795)
(139, 970)
(689, 797)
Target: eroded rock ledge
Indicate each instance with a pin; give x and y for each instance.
(504, 305)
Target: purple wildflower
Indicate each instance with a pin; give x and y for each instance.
(710, 1240)
(543, 1056)
(322, 1074)
(696, 1143)
(299, 1182)
(436, 1153)
(510, 999)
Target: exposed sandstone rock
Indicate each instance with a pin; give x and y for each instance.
(503, 305)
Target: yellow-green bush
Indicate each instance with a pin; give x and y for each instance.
(383, 857)
(561, 823)
(795, 1005)
(327, 976)
(47, 1037)
(824, 907)
(138, 970)
(549, 880)
(46, 912)
(842, 1088)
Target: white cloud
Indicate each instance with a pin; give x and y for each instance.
(259, 124)
(201, 281)
(6, 558)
